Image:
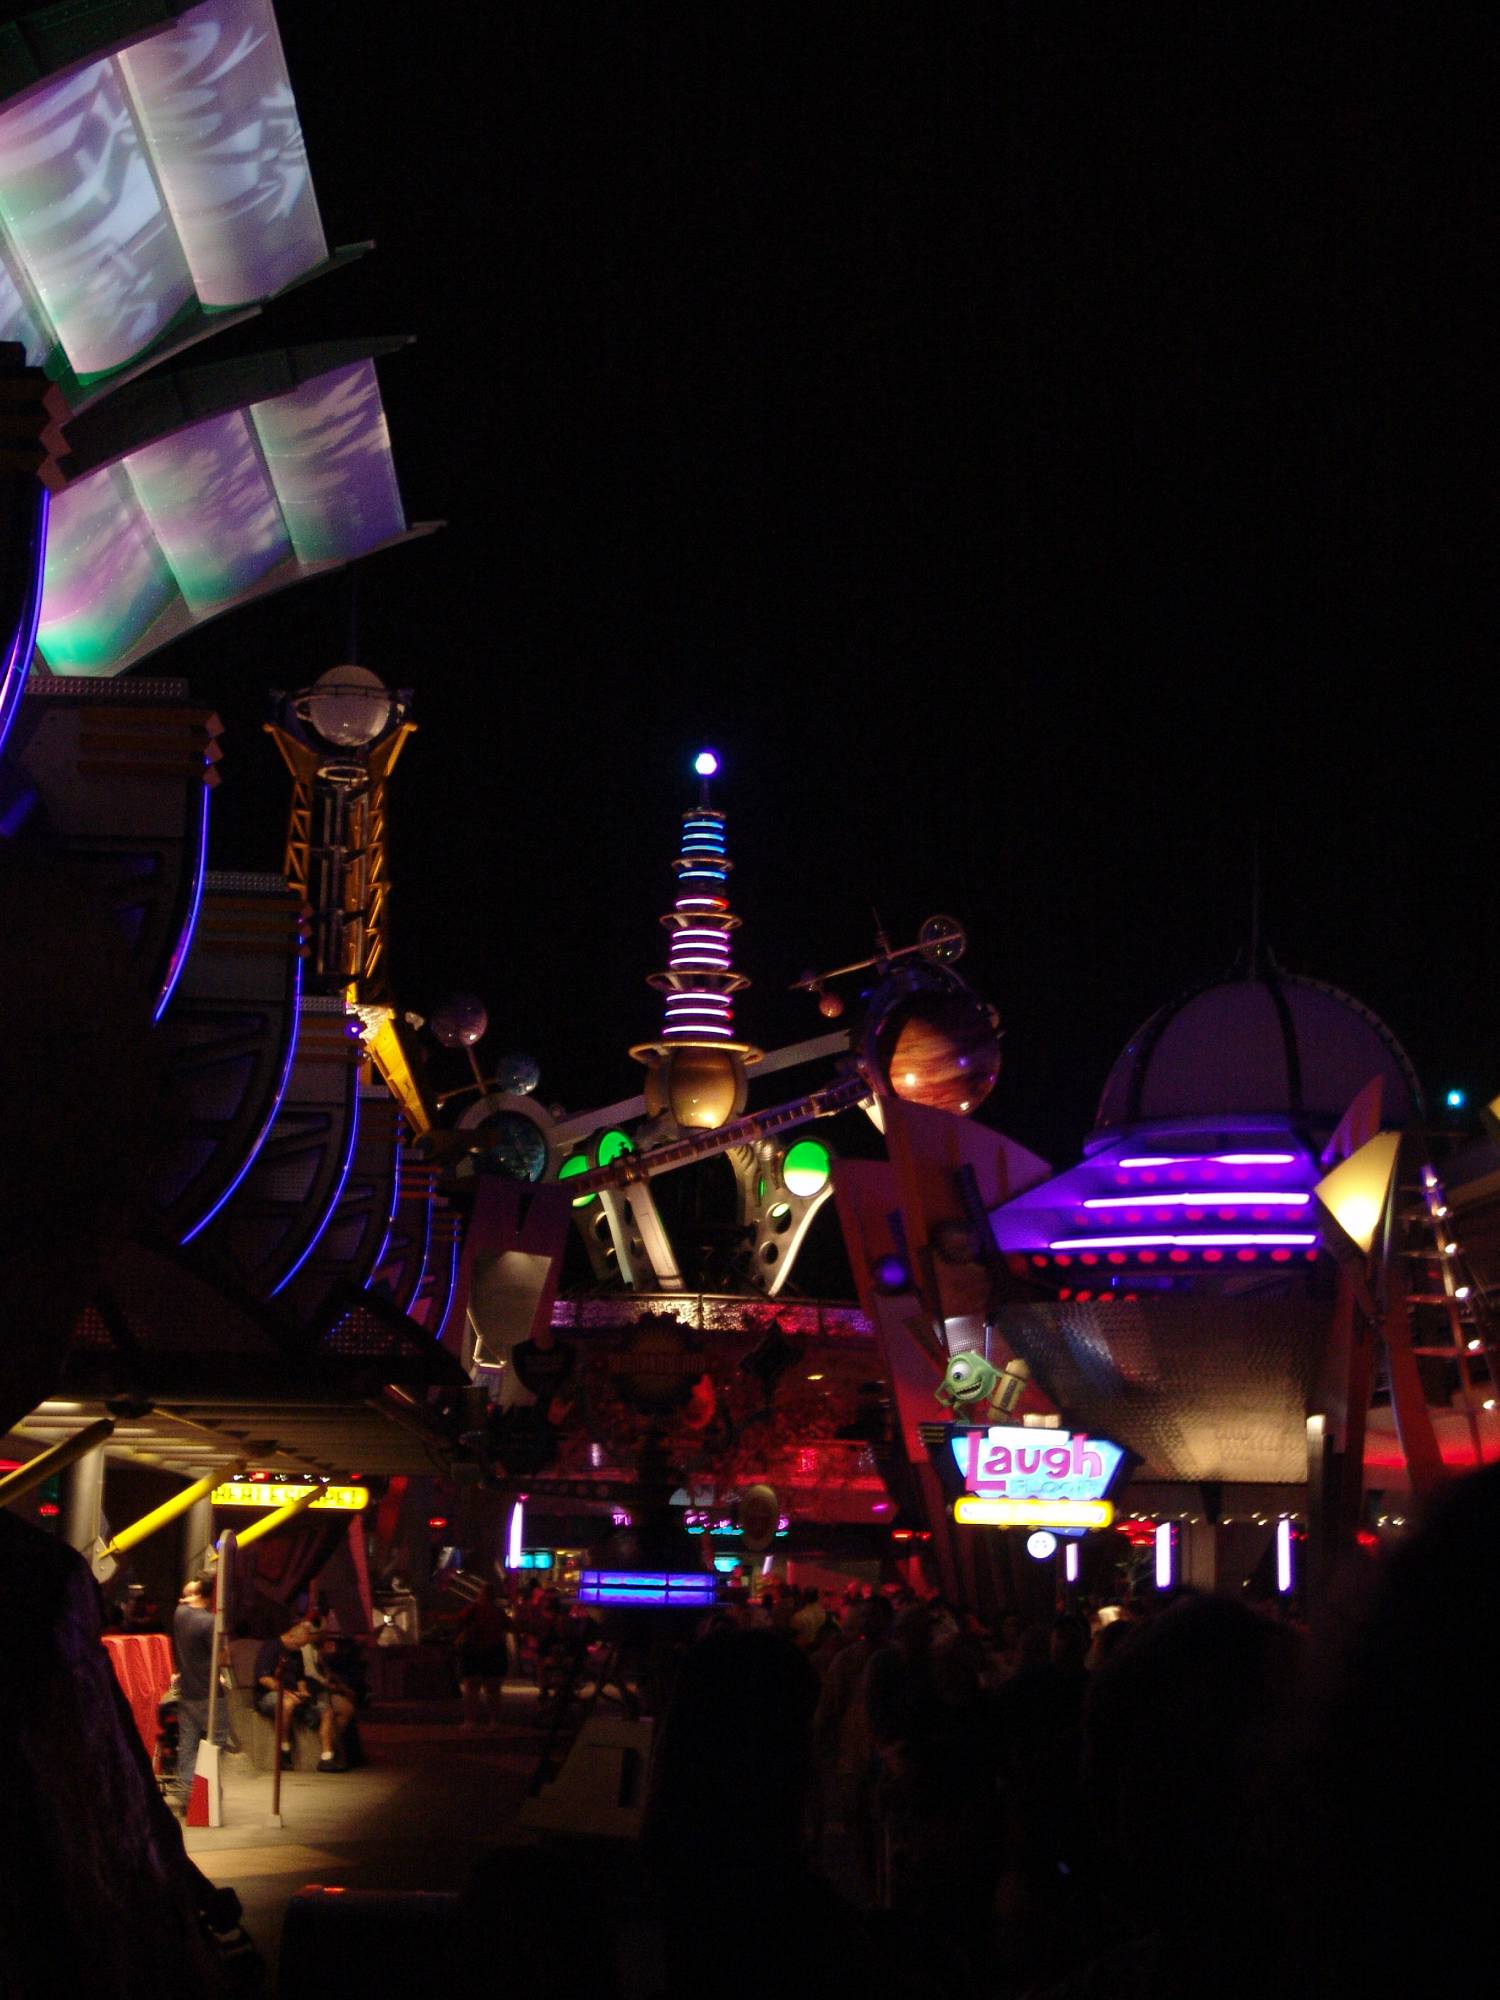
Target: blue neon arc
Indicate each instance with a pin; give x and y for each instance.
(185, 938)
(23, 642)
(442, 1319)
(271, 1116)
(337, 1196)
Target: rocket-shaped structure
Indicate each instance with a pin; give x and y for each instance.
(697, 1068)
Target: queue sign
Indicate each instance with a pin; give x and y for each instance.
(263, 1493)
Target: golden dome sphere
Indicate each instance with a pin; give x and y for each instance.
(702, 1088)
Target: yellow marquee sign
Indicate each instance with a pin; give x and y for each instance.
(261, 1493)
(974, 1512)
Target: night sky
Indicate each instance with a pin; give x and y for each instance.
(1046, 449)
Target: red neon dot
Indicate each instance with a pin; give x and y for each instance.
(1213, 1256)
(1226, 1214)
(1066, 1292)
(1040, 1262)
(1133, 1215)
(1311, 1256)
(1177, 1175)
(1130, 1297)
(1245, 1256)
(1148, 1256)
(1062, 1262)
(1195, 1215)
(1178, 1256)
(1261, 1214)
(49, 1510)
(1149, 1179)
(1089, 1257)
(1083, 1297)
(1106, 1298)
(1117, 1256)
(1280, 1256)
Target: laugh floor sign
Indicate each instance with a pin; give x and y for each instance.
(1012, 1462)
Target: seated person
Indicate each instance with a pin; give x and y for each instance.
(309, 1699)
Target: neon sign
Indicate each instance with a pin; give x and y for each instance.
(261, 1493)
(1015, 1462)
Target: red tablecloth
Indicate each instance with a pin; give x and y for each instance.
(143, 1666)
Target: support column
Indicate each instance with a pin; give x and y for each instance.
(1199, 1543)
(83, 1497)
(197, 1537)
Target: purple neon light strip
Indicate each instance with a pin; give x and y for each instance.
(1283, 1557)
(271, 1116)
(23, 642)
(415, 1291)
(442, 1318)
(1216, 1242)
(390, 1221)
(185, 937)
(1203, 1198)
(1164, 1555)
(338, 1195)
(1211, 1160)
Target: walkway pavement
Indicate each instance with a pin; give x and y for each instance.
(429, 1800)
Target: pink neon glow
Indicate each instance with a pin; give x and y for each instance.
(1255, 1159)
(1211, 1160)
(513, 1538)
(1202, 1198)
(1070, 1561)
(1193, 1242)
(698, 1028)
(1283, 1556)
(1164, 1555)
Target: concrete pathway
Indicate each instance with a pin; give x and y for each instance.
(429, 1800)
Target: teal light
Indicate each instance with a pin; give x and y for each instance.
(1456, 1099)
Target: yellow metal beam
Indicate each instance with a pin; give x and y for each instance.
(161, 1517)
(56, 1458)
(385, 1051)
(268, 1523)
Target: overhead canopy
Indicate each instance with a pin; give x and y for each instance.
(147, 188)
(175, 531)
(382, 1432)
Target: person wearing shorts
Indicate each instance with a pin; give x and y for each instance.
(482, 1631)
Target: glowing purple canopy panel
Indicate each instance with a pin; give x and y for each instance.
(181, 529)
(169, 176)
(215, 106)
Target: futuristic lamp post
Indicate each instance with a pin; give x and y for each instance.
(1357, 1201)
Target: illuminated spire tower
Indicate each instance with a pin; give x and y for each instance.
(696, 1070)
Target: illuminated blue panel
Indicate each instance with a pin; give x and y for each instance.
(693, 1590)
(213, 100)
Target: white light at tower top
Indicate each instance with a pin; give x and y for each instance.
(706, 763)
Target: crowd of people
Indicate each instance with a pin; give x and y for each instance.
(1197, 1797)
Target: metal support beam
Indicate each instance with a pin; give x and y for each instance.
(159, 1517)
(197, 1536)
(268, 1523)
(83, 1497)
(56, 1458)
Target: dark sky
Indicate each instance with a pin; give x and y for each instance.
(1047, 449)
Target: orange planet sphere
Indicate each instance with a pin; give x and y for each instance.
(702, 1088)
(939, 1049)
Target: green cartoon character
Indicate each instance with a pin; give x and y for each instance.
(973, 1386)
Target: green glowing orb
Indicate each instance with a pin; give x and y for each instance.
(611, 1146)
(576, 1163)
(806, 1166)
